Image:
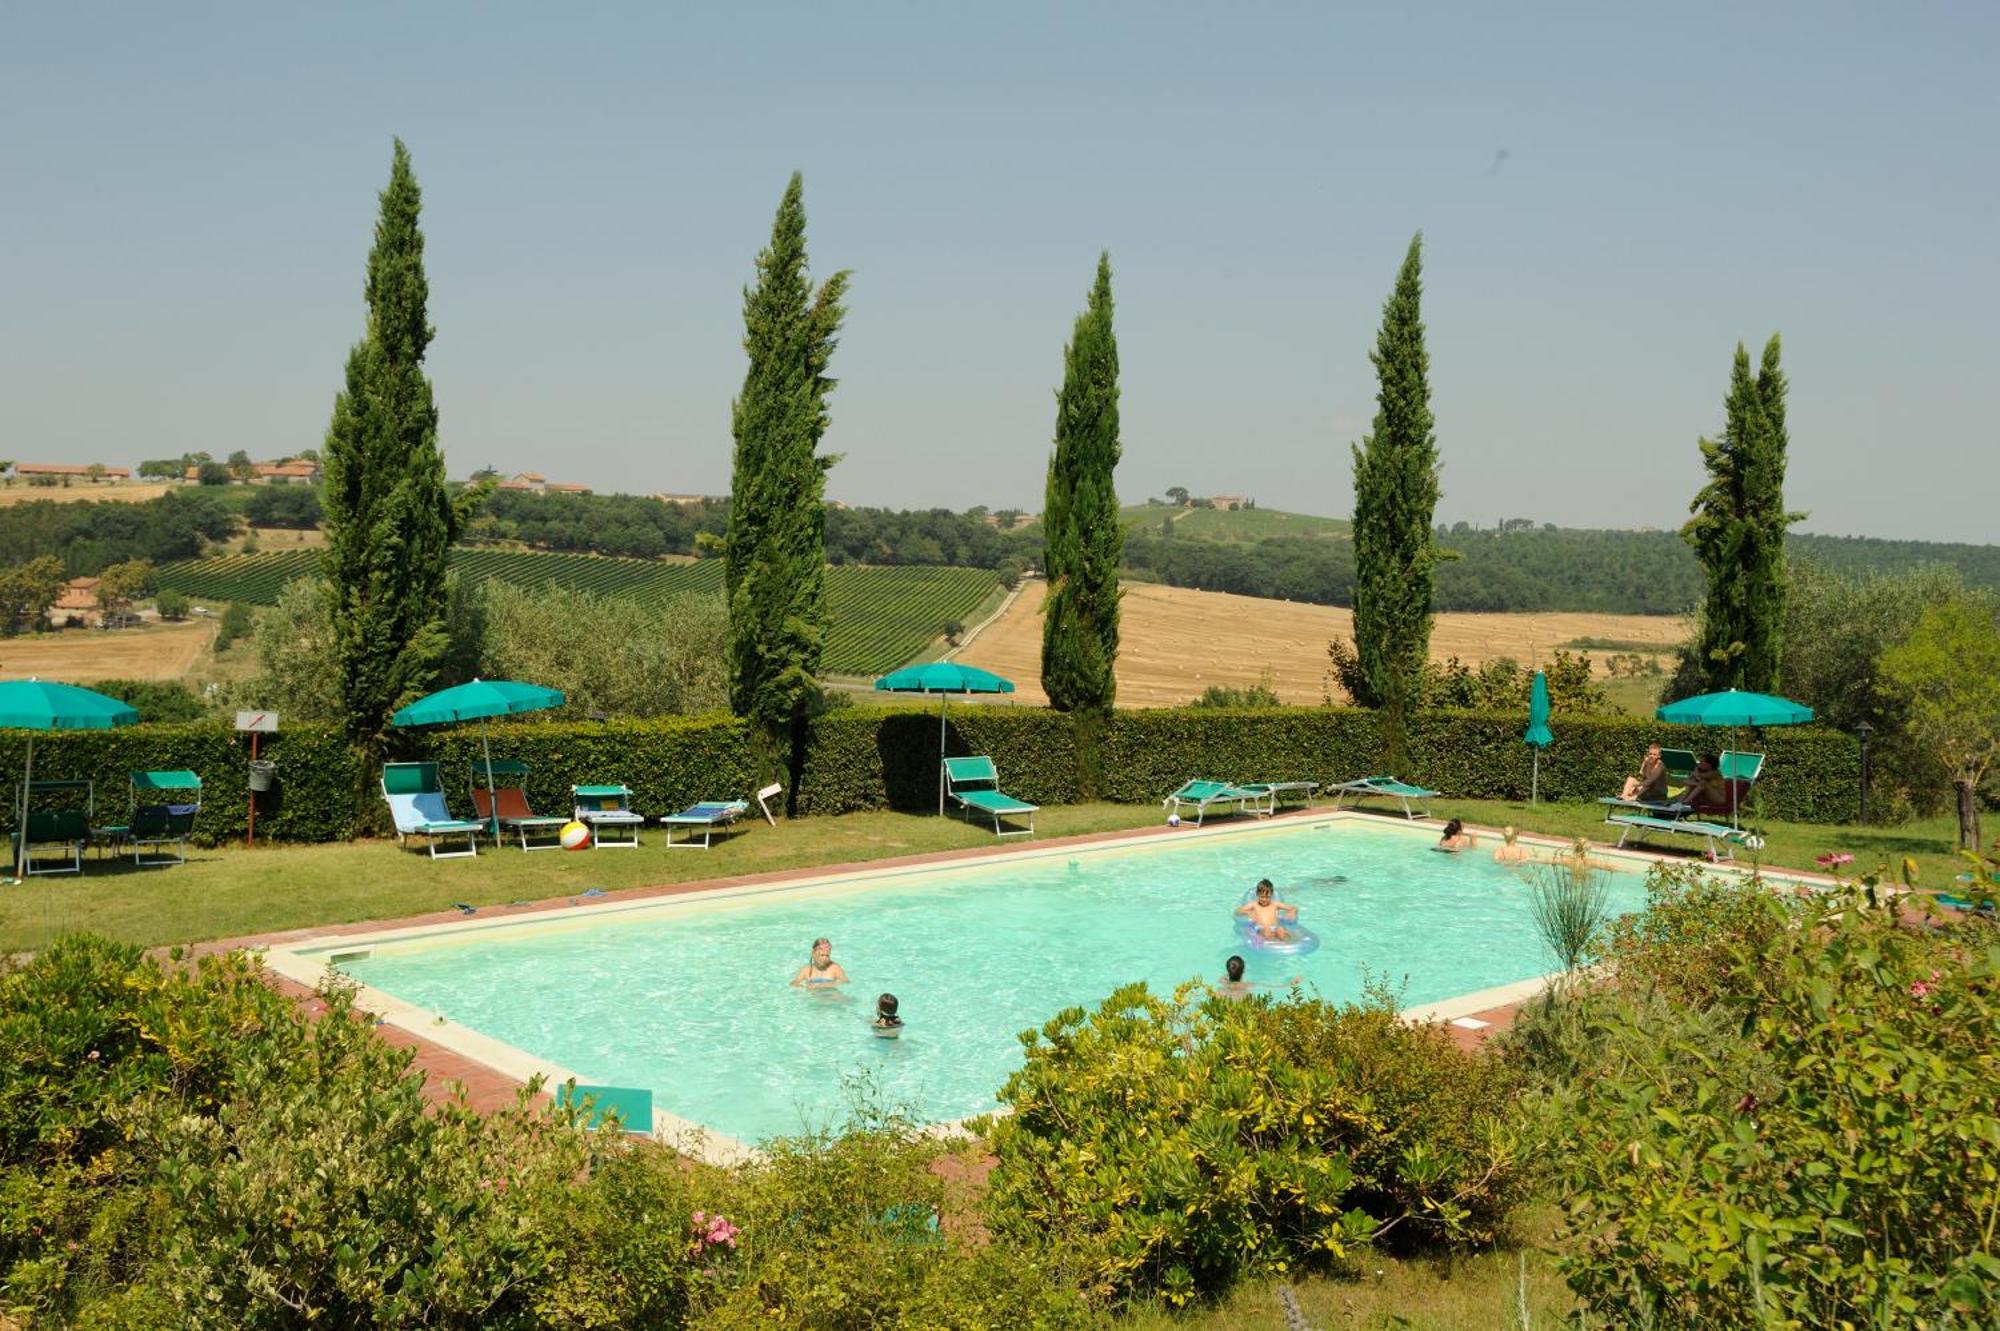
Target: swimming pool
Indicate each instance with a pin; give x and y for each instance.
(689, 995)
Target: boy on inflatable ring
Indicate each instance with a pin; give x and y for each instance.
(1266, 914)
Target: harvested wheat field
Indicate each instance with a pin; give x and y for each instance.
(77, 656)
(1176, 642)
(79, 492)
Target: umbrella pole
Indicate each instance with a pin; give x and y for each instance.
(21, 827)
(492, 800)
(1535, 781)
(943, 698)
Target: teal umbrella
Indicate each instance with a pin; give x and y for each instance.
(1537, 736)
(480, 700)
(1735, 708)
(33, 704)
(943, 678)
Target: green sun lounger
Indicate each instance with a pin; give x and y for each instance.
(974, 785)
(64, 829)
(706, 818)
(416, 802)
(1719, 838)
(1384, 787)
(164, 805)
(1201, 796)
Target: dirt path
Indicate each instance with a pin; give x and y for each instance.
(1177, 642)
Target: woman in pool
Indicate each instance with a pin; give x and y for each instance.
(887, 1025)
(1510, 849)
(822, 972)
(1455, 837)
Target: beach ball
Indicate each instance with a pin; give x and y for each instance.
(575, 836)
(1173, 820)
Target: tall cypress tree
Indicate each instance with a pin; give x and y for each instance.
(1738, 532)
(1083, 541)
(389, 520)
(775, 552)
(1395, 498)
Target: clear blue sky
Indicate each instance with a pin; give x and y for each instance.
(1612, 196)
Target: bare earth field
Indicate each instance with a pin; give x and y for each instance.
(1176, 642)
(153, 651)
(78, 492)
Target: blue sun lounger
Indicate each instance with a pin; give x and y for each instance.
(705, 817)
(416, 802)
(974, 785)
(1383, 787)
(1202, 796)
(1720, 838)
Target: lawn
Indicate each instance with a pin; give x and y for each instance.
(229, 892)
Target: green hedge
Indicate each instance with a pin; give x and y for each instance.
(865, 758)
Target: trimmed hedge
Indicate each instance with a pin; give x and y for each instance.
(869, 758)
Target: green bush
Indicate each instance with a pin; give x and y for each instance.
(1173, 1145)
(1689, 941)
(156, 700)
(236, 622)
(1819, 1146)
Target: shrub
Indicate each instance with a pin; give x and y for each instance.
(171, 604)
(1853, 1185)
(1173, 1145)
(236, 623)
(156, 700)
(1690, 940)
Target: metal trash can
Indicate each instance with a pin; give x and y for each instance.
(262, 775)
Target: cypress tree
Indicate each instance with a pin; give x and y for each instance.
(1083, 542)
(1738, 532)
(775, 551)
(389, 519)
(1395, 497)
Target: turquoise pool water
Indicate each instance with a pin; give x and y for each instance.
(693, 1002)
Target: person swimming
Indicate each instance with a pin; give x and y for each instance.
(1455, 837)
(1267, 914)
(887, 1025)
(1510, 850)
(822, 972)
(1235, 986)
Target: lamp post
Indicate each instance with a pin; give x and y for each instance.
(1864, 730)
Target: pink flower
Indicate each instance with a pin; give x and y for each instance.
(1919, 989)
(1833, 859)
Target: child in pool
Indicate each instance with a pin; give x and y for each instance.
(887, 1025)
(1266, 914)
(1510, 850)
(822, 972)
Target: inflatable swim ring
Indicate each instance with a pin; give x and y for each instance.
(1301, 942)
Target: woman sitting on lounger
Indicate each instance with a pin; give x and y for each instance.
(1708, 792)
(1650, 786)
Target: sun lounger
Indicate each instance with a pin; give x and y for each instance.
(1680, 765)
(65, 830)
(705, 817)
(1282, 790)
(1656, 808)
(163, 808)
(602, 807)
(1384, 787)
(1719, 838)
(416, 802)
(974, 785)
(1202, 796)
(500, 796)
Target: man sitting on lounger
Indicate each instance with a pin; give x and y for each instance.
(1266, 913)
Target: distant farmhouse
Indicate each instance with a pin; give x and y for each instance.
(533, 482)
(62, 472)
(666, 498)
(77, 600)
(290, 472)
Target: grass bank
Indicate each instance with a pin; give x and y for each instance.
(226, 892)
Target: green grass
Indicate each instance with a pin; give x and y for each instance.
(230, 892)
(1636, 695)
(1242, 526)
(1473, 1292)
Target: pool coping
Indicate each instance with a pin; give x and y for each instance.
(459, 1053)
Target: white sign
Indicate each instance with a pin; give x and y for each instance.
(263, 722)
